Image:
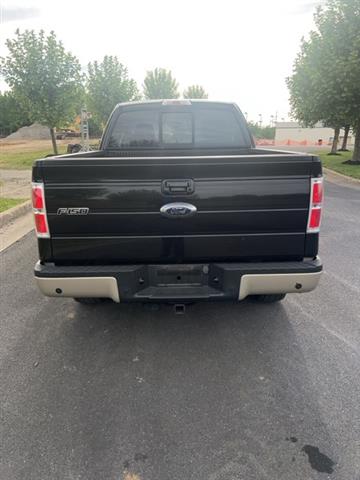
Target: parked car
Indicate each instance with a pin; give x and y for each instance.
(177, 205)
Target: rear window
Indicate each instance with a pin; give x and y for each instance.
(138, 128)
(217, 128)
(177, 128)
(203, 127)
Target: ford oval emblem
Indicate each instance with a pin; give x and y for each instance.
(178, 210)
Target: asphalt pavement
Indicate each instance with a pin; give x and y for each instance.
(224, 392)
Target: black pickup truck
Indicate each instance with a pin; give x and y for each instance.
(177, 205)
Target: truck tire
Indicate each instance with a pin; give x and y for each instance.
(88, 300)
(269, 298)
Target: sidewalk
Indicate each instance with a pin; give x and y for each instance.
(15, 183)
(17, 221)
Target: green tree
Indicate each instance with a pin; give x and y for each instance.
(325, 83)
(266, 132)
(95, 128)
(195, 91)
(45, 79)
(345, 139)
(159, 83)
(108, 84)
(338, 23)
(12, 116)
(313, 92)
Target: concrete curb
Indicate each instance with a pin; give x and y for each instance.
(328, 171)
(13, 213)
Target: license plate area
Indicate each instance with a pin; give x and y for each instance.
(171, 275)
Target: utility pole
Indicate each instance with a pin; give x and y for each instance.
(274, 119)
(84, 130)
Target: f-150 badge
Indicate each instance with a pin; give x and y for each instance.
(178, 210)
(73, 211)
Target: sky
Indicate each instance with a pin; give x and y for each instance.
(239, 50)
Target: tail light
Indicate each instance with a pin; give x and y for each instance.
(39, 209)
(316, 201)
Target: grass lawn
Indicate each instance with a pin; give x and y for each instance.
(20, 154)
(23, 156)
(334, 162)
(6, 203)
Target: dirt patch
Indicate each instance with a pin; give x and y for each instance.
(13, 145)
(34, 131)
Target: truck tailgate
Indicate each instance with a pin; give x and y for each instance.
(249, 207)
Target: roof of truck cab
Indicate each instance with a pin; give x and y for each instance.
(173, 102)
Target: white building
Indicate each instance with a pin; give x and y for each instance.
(291, 133)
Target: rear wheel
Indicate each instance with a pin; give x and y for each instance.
(89, 301)
(269, 298)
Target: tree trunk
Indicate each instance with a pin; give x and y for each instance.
(335, 141)
(356, 153)
(53, 139)
(345, 139)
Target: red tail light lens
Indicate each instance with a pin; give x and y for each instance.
(315, 218)
(38, 198)
(39, 209)
(316, 199)
(41, 223)
(317, 192)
